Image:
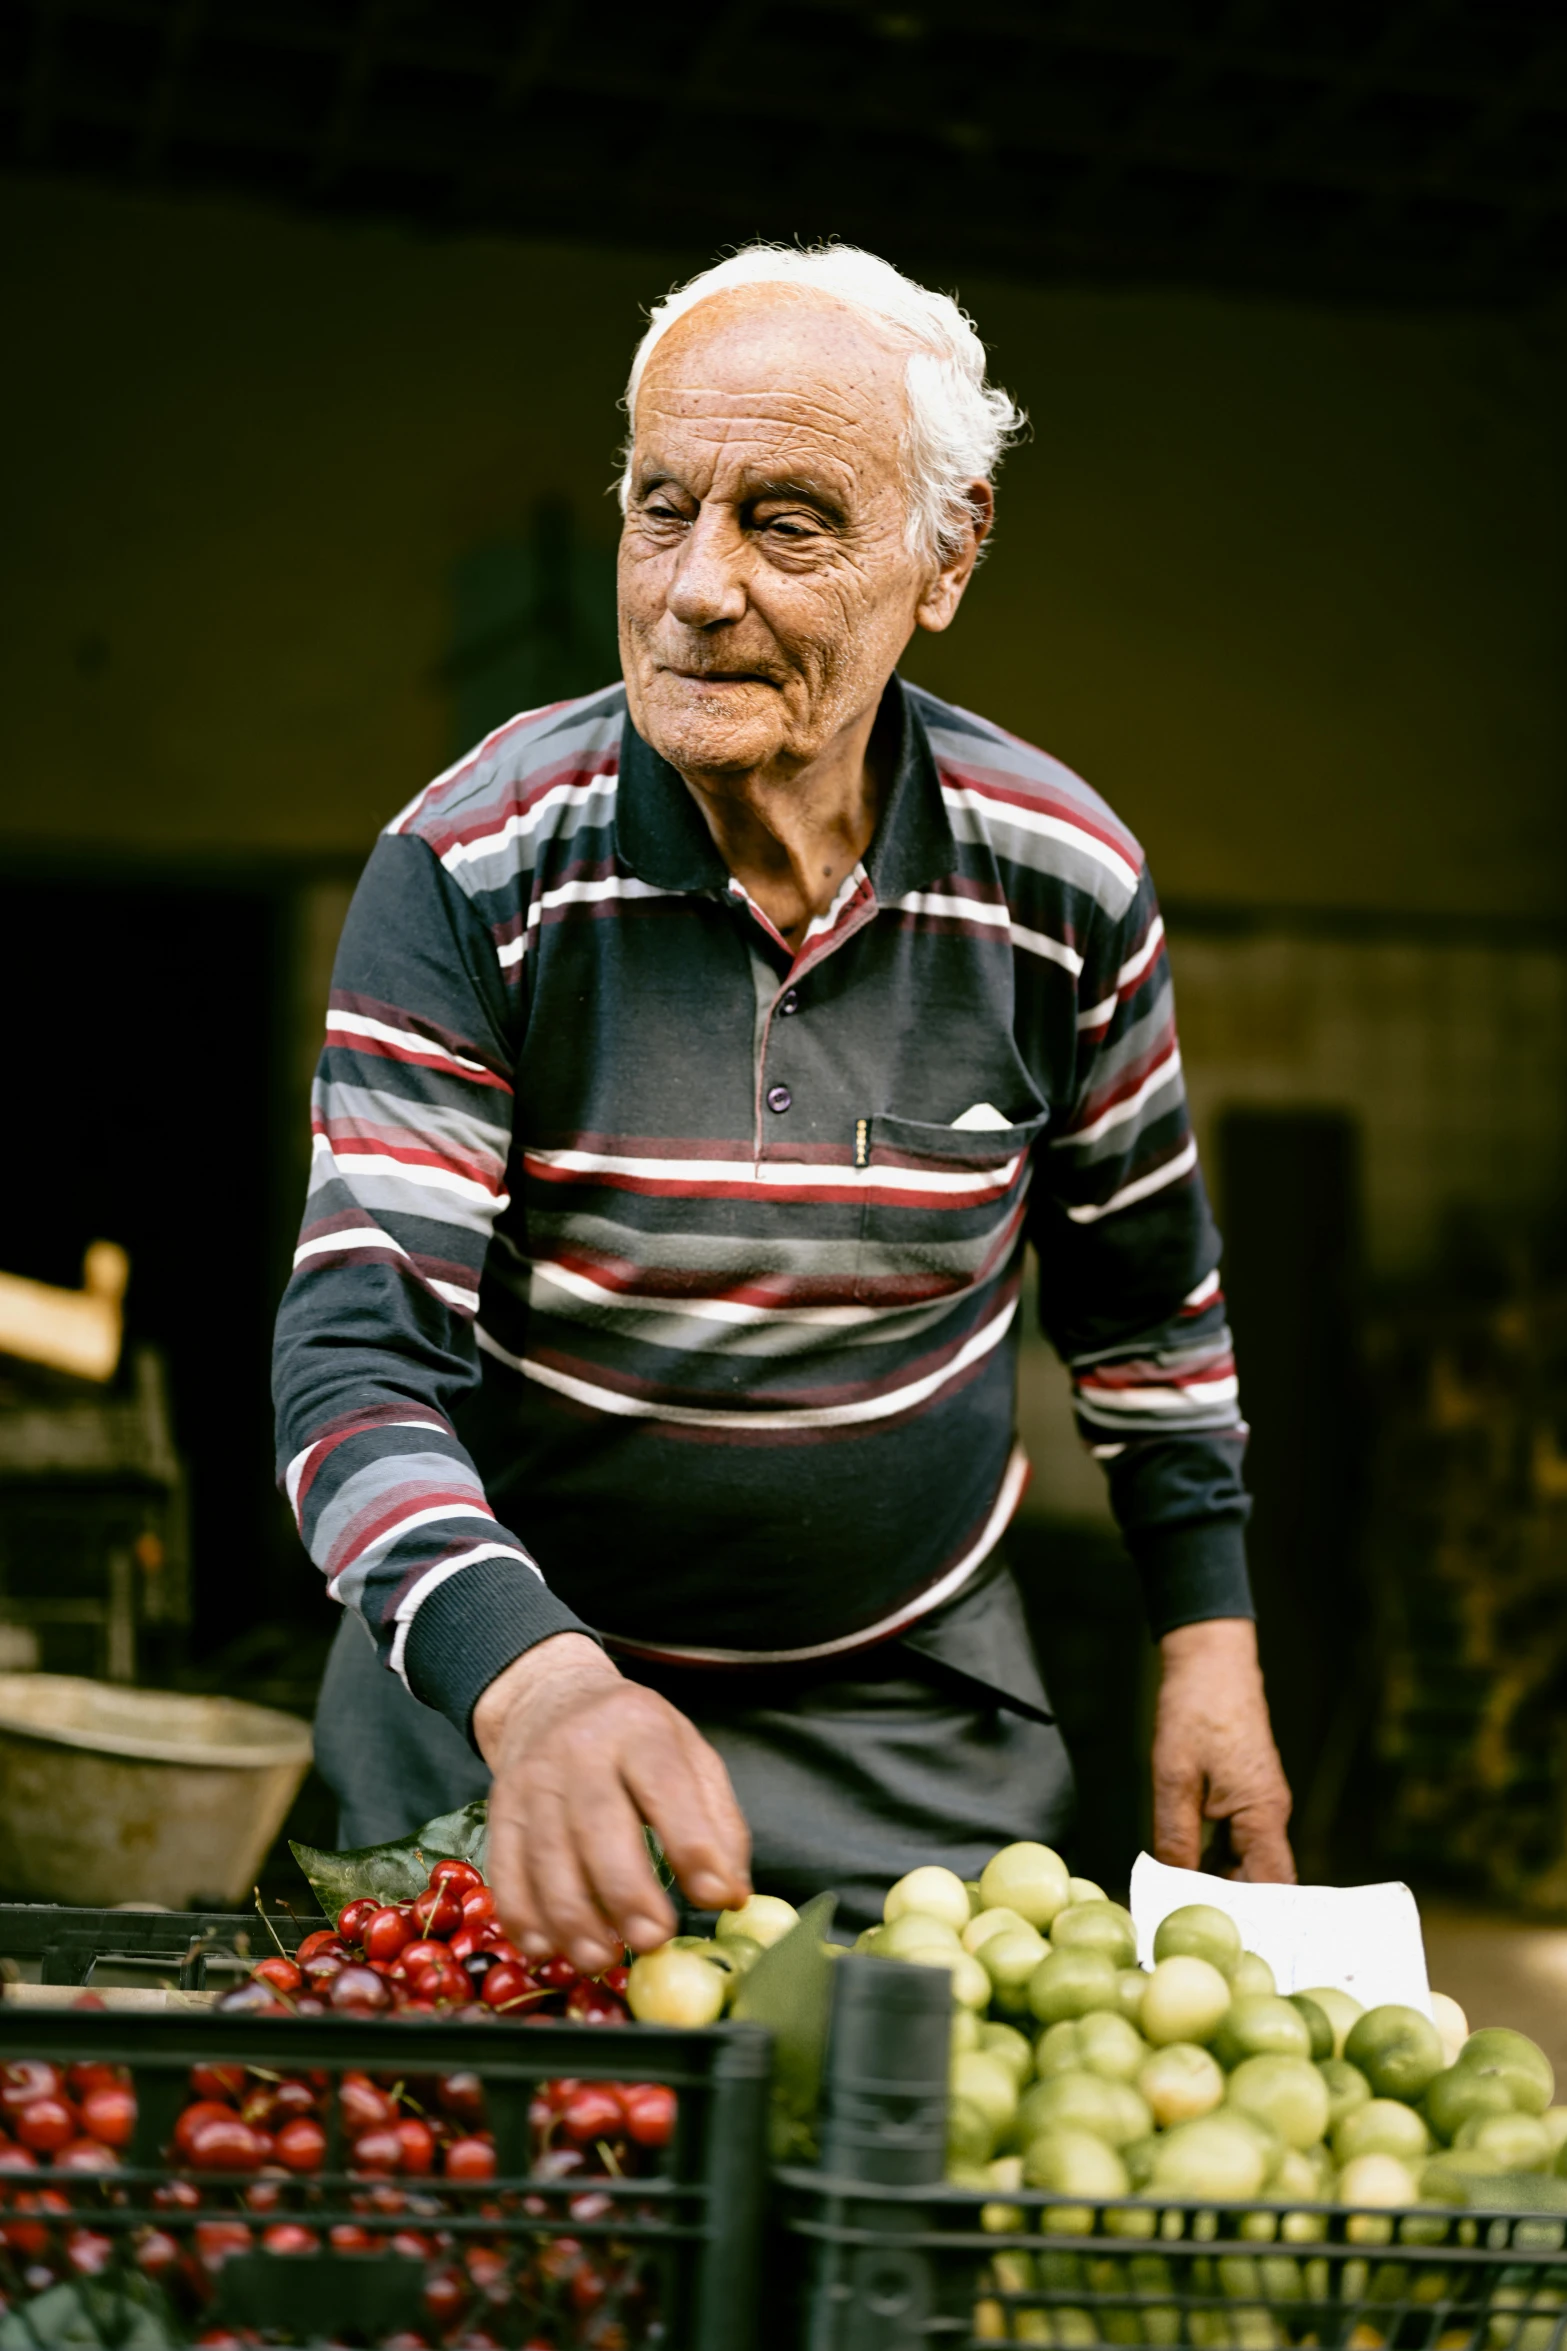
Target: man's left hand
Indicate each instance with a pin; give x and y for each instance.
(1213, 1753)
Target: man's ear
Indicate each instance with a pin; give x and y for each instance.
(943, 593)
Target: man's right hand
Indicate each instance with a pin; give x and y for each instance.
(581, 1758)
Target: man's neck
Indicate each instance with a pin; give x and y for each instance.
(791, 839)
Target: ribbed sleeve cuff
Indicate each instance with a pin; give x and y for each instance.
(470, 1629)
(1192, 1570)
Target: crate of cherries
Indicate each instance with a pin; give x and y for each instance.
(544, 2203)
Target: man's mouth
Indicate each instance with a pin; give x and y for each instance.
(718, 677)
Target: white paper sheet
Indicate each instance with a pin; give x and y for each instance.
(1366, 1940)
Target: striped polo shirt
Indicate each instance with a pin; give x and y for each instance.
(661, 1279)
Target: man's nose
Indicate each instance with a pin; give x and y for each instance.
(709, 584)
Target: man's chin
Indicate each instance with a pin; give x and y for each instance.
(733, 731)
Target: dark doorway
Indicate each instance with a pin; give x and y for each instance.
(143, 1059)
(1290, 1202)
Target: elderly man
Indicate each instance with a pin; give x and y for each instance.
(702, 1056)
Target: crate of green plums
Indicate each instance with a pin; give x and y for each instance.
(1026, 2137)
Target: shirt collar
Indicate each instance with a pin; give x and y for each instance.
(660, 835)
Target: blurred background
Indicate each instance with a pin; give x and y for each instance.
(317, 315)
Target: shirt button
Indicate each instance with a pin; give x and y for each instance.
(789, 1001)
(779, 1098)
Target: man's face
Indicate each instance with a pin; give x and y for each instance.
(766, 583)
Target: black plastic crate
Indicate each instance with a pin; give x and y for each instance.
(882, 2255)
(178, 1947)
(910, 2268)
(155, 2253)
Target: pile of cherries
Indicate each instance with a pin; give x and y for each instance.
(399, 2138)
(445, 1950)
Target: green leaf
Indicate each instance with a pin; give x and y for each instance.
(85, 2315)
(458, 1836)
(395, 1872)
(789, 1989)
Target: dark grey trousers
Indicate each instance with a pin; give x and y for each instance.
(849, 1772)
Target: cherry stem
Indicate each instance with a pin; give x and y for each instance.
(267, 1923)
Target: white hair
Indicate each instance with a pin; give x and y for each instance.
(958, 426)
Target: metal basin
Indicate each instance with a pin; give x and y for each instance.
(113, 1795)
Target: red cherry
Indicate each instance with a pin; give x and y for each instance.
(378, 2150)
(89, 2251)
(46, 2124)
(445, 2296)
(264, 2195)
(293, 2097)
(16, 2159)
(462, 2095)
(322, 1969)
(468, 1939)
(28, 2078)
(301, 2144)
(86, 2155)
(445, 1982)
(251, 1999)
(279, 1972)
(195, 2117)
(176, 2195)
(387, 1933)
(364, 2106)
(227, 2143)
(347, 2236)
(590, 2003)
(478, 1904)
(217, 2240)
(324, 1939)
(556, 1974)
(506, 1984)
(439, 1913)
(157, 2253)
(354, 1917)
(588, 2287)
(470, 2159)
(426, 1952)
(30, 2238)
(289, 2236)
(615, 1979)
(418, 2145)
(360, 1988)
(83, 2078)
(460, 1876)
(109, 2114)
(594, 2112)
(217, 2081)
(592, 2205)
(559, 2259)
(650, 2109)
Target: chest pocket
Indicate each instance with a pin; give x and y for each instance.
(942, 1207)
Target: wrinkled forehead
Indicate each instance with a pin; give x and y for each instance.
(753, 362)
